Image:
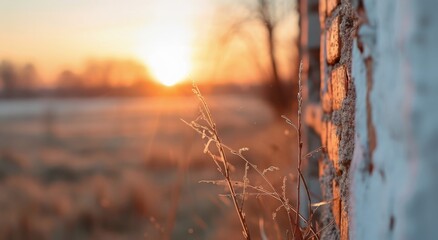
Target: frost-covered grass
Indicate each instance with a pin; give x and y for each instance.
(238, 190)
(124, 168)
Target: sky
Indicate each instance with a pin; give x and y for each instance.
(174, 39)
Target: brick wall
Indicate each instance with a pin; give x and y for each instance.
(332, 116)
(376, 117)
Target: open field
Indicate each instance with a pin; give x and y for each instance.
(127, 168)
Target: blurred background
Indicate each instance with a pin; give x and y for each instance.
(92, 94)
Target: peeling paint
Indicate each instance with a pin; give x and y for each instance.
(394, 67)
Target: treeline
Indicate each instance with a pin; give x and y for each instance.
(18, 81)
(111, 77)
(99, 78)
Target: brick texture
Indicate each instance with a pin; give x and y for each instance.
(337, 206)
(326, 101)
(338, 82)
(333, 144)
(324, 134)
(322, 11)
(333, 42)
(334, 89)
(331, 5)
(344, 224)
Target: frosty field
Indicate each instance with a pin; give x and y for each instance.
(124, 168)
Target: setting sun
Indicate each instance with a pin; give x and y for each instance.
(168, 63)
(167, 53)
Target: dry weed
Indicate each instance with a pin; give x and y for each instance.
(206, 127)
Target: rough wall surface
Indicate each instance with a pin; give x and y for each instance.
(377, 119)
(394, 187)
(333, 118)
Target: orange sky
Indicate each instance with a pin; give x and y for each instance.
(174, 39)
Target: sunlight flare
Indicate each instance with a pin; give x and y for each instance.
(167, 53)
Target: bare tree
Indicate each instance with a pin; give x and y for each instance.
(8, 77)
(16, 80)
(268, 15)
(29, 78)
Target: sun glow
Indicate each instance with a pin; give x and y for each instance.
(167, 53)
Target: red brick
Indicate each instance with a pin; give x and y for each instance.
(344, 223)
(336, 203)
(324, 134)
(339, 83)
(333, 42)
(333, 144)
(326, 96)
(322, 12)
(331, 5)
(322, 64)
(326, 102)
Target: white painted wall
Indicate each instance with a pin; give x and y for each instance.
(402, 38)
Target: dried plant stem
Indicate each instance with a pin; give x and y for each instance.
(209, 132)
(205, 111)
(300, 150)
(239, 211)
(274, 193)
